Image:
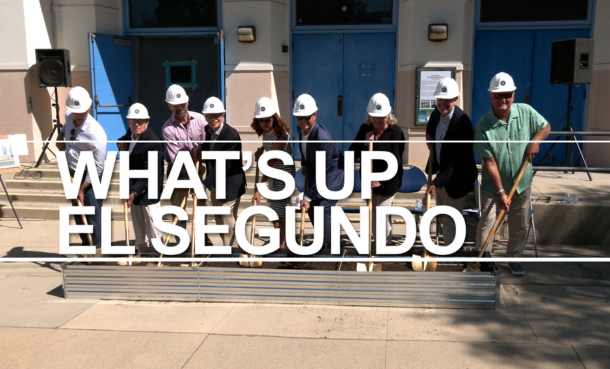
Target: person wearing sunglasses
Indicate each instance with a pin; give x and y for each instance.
(314, 136)
(142, 202)
(452, 162)
(83, 133)
(219, 136)
(381, 125)
(267, 123)
(497, 130)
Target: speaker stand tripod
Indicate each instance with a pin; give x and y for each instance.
(57, 125)
(570, 159)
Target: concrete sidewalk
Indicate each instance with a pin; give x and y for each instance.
(556, 316)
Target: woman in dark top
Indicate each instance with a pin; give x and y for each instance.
(380, 125)
(267, 123)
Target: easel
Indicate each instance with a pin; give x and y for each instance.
(7, 171)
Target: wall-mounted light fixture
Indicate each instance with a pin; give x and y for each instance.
(246, 34)
(438, 32)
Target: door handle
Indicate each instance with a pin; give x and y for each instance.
(98, 105)
(339, 105)
(526, 99)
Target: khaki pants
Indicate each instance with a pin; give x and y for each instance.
(179, 194)
(379, 200)
(446, 222)
(228, 239)
(517, 221)
(141, 217)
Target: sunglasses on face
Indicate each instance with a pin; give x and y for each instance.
(138, 122)
(503, 96)
(265, 120)
(305, 118)
(213, 116)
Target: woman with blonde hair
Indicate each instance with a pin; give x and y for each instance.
(380, 125)
(275, 132)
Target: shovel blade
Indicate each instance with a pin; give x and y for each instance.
(416, 263)
(245, 263)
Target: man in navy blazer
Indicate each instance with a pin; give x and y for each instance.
(305, 110)
(142, 202)
(453, 163)
(216, 133)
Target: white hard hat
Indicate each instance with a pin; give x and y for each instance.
(379, 106)
(78, 100)
(176, 95)
(213, 105)
(447, 88)
(265, 107)
(137, 111)
(502, 82)
(304, 106)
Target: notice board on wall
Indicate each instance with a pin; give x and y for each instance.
(427, 79)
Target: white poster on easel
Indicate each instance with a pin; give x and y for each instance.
(7, 159)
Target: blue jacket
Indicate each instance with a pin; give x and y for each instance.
(334, 160)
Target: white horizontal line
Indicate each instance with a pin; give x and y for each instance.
(341, 141)
(330, 259)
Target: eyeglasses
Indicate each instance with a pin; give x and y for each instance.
(305, 118)
(138, 122)
(213, 116)
(72, 134)
(503, 96)
(265, 120)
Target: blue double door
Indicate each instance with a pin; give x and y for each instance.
(342, 72)
(526, 56)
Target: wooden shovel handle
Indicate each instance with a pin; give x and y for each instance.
(193, 222)
(303, 212)
(501, 215)
(175, 221)
(371, 212)
(252, 233)
(126, 216)
(83, 217)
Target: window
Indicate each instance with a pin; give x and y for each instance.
(182, 73)
(533, 10)
(343, 12)
(172, 13)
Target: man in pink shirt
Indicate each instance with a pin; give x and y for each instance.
(183, 125)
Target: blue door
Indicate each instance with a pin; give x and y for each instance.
(350, 69)
(111, 83)
(526, 56)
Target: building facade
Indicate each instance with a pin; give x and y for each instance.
(340, 52)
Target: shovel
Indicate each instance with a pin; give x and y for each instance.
(126, 213)
(193, 229)
(254, 264)
(85, 222)
(500, 216)
(370, 266)
(416, 263)
(182, 205)
(303, 213)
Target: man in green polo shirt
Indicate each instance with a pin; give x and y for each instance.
(502, 161)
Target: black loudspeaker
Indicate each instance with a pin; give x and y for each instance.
(53, 68)
(572, 61)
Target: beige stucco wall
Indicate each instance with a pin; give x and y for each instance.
(414, 50)
(598, 154)
(257, 69)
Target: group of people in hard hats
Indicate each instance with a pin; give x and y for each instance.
(452, 157)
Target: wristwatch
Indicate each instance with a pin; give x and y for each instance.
(500, 191)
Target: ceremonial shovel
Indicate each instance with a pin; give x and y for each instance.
(193, 229)
(303, 212)
(84, 218)
(370, 266)
(253, 264)
(499, 217)
(416, 264)
(126, 213)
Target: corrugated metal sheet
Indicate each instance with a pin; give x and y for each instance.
(411, 289)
